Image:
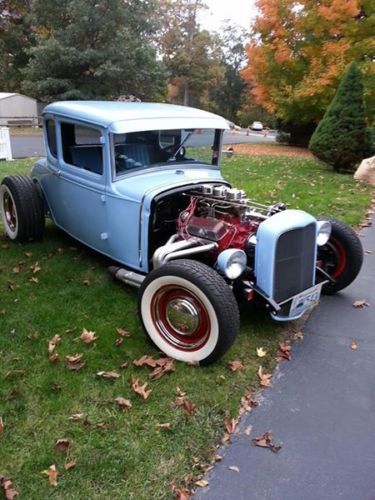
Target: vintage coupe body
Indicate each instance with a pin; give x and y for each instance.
(141, 183)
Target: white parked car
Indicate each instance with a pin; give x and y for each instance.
(256, 126)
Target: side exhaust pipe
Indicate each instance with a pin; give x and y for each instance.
(128, 277)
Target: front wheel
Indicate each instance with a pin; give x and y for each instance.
(188, 311)
(341, 257)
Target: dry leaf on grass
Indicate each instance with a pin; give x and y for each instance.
(354, 345)
(124, 404)
(124, 365)
(35, 268)
(359, 304)
(70, 465)
(75, 417)
(284, 351)
(230, 425)
(52, 474)
(261, 352)
(139, 389)
(163, 369)
(1, 424)
(28, 254)
(264, 378)
(16, 269)
(9, 492)
(109, 375)
(53, 342)
(118, 341)
(33, 279)
(202, 483)
(53, 358)
(122, 332)
(62, 445)
(145, 361)
(2, 312)
(218, 458)
(265, 441)
(87, 336)
(166, 425)
(186, 404)
(74, 362)
(235, 365)
(181, 494)
(234, 468)
(86, 282)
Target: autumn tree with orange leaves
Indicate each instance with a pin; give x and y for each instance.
(298, 53)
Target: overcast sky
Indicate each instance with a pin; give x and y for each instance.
(238, 11)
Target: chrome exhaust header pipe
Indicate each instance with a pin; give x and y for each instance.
(178, 249)
(128, 277)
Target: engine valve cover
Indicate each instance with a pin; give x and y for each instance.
(207, 228)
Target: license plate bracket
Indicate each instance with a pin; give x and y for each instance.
(305, 300)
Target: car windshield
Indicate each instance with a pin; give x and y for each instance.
(141, 150)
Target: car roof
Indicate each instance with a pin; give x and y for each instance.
(123, 117)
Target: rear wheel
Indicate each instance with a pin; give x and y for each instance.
(341, 257)
(188, 311)
(21, 208)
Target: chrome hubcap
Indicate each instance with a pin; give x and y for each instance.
(183, 316)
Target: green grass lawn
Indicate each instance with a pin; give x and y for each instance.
(124, 454)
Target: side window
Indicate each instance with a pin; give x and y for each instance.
(82, 147)
(51, 136)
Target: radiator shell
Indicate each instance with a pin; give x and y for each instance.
(285, 254)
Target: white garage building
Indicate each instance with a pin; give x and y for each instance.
(17, 109)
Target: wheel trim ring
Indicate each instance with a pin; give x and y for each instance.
(10, 214)
(159, 305)
(339, 254)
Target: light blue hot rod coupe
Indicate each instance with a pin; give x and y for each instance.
(140, 183)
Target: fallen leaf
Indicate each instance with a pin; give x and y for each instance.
(180, 393)
(76, 358)
(122, 332)
(1, 424)
(55, 340)
(86, 282)
(2, 312)
(202, 483)
(28, 254)
(62, 445)
(166, 425)
(139, 389)
(248, 430)
(353, 345)
(298, 336)
(9, 492)
(16, 269)
(264, 378)
(284, 351)
(70, 330)
(55, 387)
(230, 425)
(86, 423)
(124, 365)
(218, 458)
(109, 375)
(35, 268)
(265, 441)
(181, 493)
(34, 279)
(360, 303)
(124, 404)
(261, 352)
(145, 361)
(87, 336)
(52, 474)
(102, 426)
(70, 465)
(75, 417)
(235, 365)
(53, 358)
(74, 362)
(163, 369)
(118, 341)
(186, 404)
(234, 468)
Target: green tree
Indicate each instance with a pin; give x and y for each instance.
(89, 49)
(342, 138)
(16, 37)
(227, 97)
(191, 55)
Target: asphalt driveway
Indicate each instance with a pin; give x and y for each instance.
(321, 409)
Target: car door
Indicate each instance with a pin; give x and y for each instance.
(77, 184)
